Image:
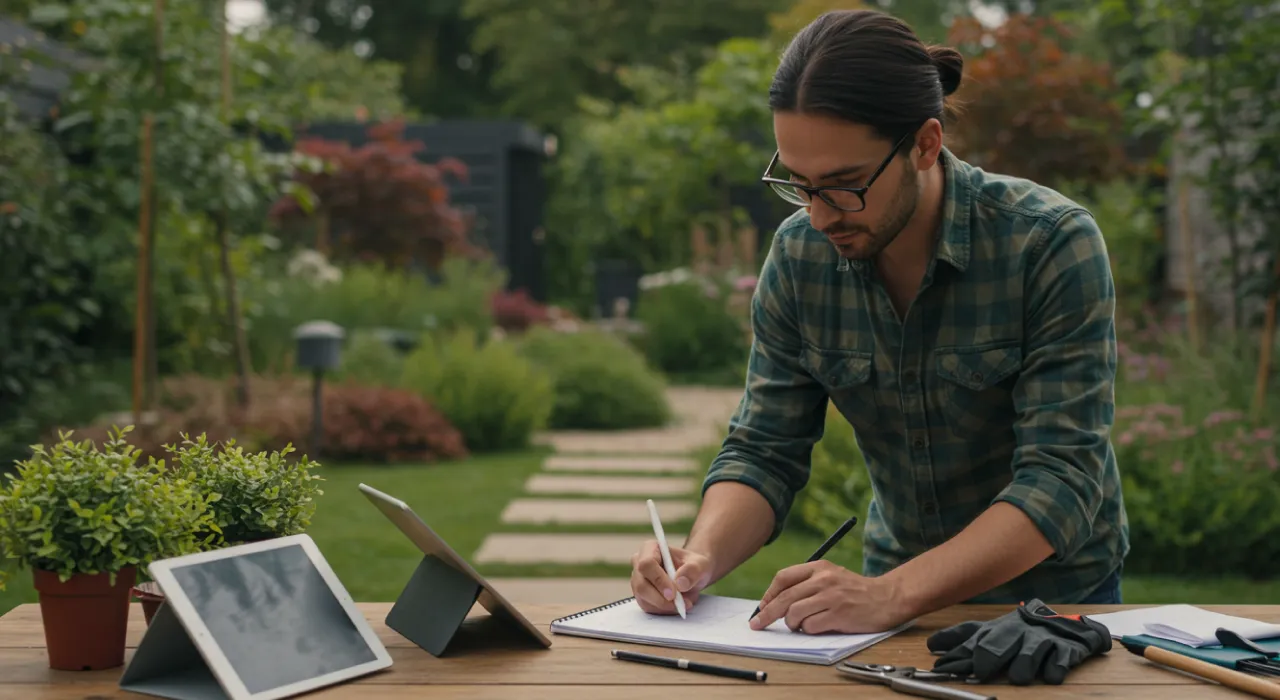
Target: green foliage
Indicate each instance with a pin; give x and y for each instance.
(636, 178)
(1201, 495)
(494, 396)
(366, 297)
(601, 382)
(690, 332)
(587, 46)
(368, 359)
(73, 508)
(47, 298)
(252, 495)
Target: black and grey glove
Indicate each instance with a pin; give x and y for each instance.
(1031, 642)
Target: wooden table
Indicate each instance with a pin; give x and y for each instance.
(504, 666)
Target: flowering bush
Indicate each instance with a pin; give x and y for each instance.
(1201, 495)
(517, 311)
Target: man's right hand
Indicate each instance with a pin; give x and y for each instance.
(655, 591)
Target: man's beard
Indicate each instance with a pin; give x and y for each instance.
(865, 243)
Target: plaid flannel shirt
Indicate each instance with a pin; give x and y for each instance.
(997, 385)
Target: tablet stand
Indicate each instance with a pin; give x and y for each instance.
(167, 663)
(433, 605)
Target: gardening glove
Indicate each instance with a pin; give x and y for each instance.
(1031, 642)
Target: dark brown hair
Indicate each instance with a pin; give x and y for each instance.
(866, 67)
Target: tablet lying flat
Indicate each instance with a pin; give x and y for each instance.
(256, 621)
(432, 545)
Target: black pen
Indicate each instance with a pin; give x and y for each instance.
(831, 542)
(688, 665)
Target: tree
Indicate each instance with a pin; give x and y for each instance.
(549, 53)
(378, 201)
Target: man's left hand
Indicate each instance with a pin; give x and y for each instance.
(819, 597)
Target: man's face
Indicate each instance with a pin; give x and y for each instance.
(817, 150)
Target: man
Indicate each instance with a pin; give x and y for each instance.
(961, 321)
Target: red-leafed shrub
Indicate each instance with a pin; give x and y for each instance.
(517, 311)
(374, 424)
(361, 424)
(379, 201)
(1032, 108)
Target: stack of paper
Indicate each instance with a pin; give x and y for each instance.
(716, 624)
(1186, 624)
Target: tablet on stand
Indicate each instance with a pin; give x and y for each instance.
(256, 621)
(443, 589)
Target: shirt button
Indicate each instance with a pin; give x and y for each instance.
(977, 376)
(918, 443)
(930, 508)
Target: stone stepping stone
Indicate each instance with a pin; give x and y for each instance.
(565, 548)
(589, 592)
(587, 463)
(578, 511)
(644, 486)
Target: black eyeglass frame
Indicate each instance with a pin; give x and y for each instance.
(819, 190)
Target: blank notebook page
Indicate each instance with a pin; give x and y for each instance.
(715, 623)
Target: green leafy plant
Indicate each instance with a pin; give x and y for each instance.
(495, 397)
(252, 495)
(75, 509)
(690, 332)
(601, 382)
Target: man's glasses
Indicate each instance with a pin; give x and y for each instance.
(842, 198)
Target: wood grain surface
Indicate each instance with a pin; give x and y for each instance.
(488, 661)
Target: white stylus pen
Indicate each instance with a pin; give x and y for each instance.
(666, 554)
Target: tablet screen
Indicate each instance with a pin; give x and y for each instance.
(273, 616)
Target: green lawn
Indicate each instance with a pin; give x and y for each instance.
(463, 501)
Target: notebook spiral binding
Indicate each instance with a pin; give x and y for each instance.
(598, 608)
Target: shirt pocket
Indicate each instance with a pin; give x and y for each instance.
(975, 388)
(848, 377)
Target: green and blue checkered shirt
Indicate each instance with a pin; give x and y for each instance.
(998, 385)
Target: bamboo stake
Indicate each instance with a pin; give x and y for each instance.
(143, 310)
(238, 340)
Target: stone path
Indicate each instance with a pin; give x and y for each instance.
(596, 483)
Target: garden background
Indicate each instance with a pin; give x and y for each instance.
(158, 247)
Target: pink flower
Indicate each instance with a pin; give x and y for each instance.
(1176, 467)
(1126, 438)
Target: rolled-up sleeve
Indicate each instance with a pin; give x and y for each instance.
(781, 415)
(1065, 397)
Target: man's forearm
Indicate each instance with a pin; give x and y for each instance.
(999, 545)
(733, 523)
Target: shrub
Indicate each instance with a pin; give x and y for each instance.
(517, 311)
(493, 395)
(367, 297)
(252, 495)
(690, 332)
(361, 424)
(376, 424)
(370, 360)
(74, 509)
(600, 381)
(1201, 495)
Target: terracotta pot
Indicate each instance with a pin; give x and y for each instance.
(149, 593)
(85, 618)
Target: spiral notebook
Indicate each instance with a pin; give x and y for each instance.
(715, 624)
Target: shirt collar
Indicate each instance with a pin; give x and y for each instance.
(957, 205)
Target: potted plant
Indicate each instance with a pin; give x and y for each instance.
(252, 496)
(84, 520)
